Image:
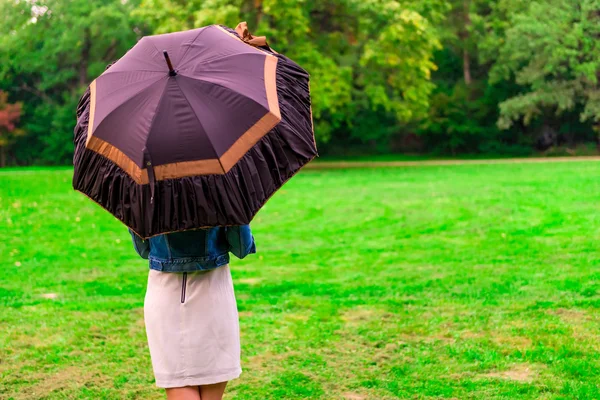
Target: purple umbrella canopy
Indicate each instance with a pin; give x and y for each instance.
(192, 129)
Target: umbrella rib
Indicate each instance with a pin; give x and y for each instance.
(109, 72)
(226, 88)
(120, 105)
(204, 62)
(186, 50)
(155, 114)
(136, 93)
(200, 123)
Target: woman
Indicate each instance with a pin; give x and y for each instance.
(190, 310)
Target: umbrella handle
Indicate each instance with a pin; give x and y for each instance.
(168, 60)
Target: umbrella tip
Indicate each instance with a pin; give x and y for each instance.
(168, 60)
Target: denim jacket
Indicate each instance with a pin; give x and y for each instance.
(195, 250)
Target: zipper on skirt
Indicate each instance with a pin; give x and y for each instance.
(183, 287)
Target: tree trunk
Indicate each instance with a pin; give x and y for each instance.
(2, 156)
(467, 67)
(109, 54)
(259, 10)
(465, 37)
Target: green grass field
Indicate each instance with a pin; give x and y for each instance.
(454, 282)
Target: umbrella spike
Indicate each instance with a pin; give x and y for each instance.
(168, 60)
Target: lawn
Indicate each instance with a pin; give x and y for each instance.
(433, 282)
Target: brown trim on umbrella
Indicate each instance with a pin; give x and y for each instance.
(92, 110)
(162, 172)
(263, 126)
(247, 140)
(118, 157)
(271, 85)
(188, 168)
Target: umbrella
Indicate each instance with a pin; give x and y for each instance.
(192, 129)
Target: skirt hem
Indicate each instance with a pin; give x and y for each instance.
(197, 381)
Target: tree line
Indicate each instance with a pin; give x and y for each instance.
(429, 76)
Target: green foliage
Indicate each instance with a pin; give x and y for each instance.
(463, 75)
(529, 66)
(462, 117)
(552, 49)
(51, 50)
(455, 121)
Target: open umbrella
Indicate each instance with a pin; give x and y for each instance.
(192, 129)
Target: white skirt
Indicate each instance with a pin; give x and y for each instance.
(192, 327)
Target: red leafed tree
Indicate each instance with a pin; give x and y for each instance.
(9, 116)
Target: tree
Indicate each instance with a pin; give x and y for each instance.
(463, 105)
(9, 116)
(458, 34)
(553, 51)
(50, 50)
